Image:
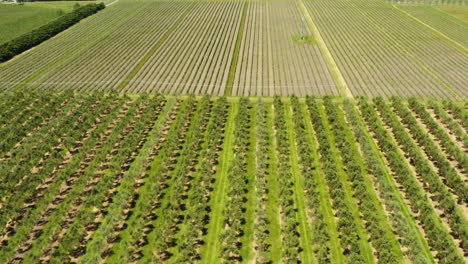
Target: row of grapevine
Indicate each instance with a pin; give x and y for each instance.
(263, 246)
(89, 180)
(51, 172)
(24, 217)
(195, 56)
(448, 148)
(450, 125)
(197, 215)
(171, 207)
(352, 240)
(435, 17)
(55, 137)
(63, 245)
(90, 70)
(412, 242)
(66, 47)
(423, 168)
(459, 113)
(289, 223)
(444, 61)
(30, 117)
(380, 236)
(322, 228)
(125, 197)
(190, 47)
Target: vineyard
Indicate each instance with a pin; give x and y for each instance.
(263, 69)
(235, 131)
(255, 48)
(94, 178)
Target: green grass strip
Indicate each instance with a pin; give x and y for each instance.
(395, 192)
(325, 201)
(156, 46)
(304, 227)
(434, 31)
(272, 206)
(366, 249)
(369, 186)
(235, 56)
(327, 56)
(211, 248)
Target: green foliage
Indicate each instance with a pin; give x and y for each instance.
(112, 177)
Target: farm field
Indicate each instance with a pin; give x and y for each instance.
(399, 53)
(453, 27)
(17, 20)
(269, 62)
(240, 48)
(97, 177)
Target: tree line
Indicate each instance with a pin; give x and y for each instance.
(31, 39)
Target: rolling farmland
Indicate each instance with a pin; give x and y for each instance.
(107, 177)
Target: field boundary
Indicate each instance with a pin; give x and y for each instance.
(327, 56)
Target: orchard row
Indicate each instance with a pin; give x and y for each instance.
(107, 177)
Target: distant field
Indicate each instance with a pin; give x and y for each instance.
(233, 47)
(382, 51)
(110, 178)
(17, 19)
(450, 25)
(458, 11)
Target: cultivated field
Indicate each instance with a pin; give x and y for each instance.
(111, 178)
(392, 56)
(152, 132)
(272, 60)
(445, 23)
(16, 20)
(234, 47)
(195, 54)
